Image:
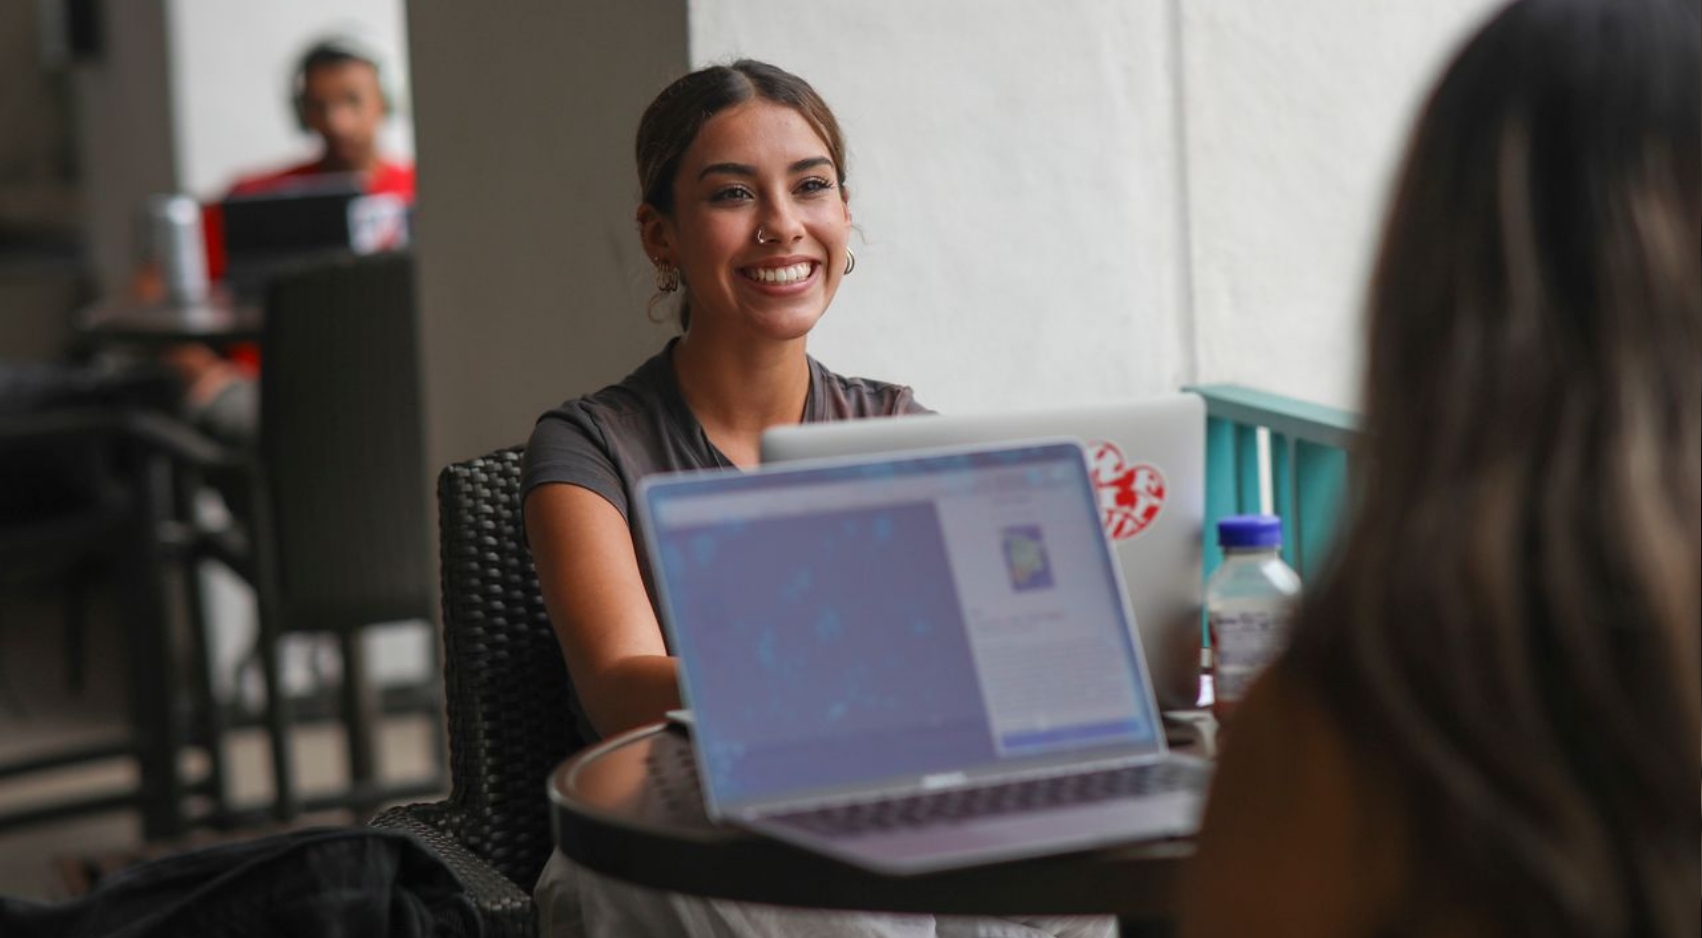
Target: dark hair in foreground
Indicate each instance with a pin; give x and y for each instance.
(1509, 633)
(673, 120)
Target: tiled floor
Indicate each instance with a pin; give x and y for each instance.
(39, 713)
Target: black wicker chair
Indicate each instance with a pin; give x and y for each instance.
(508, 699)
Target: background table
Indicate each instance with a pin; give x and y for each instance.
(220, 319)
(630, 807)
(118, 444)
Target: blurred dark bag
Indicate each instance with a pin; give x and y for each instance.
(320, 883)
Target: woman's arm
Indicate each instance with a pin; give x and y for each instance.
(588, 570)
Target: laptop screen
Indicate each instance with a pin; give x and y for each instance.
(852, 625)
(307, 215)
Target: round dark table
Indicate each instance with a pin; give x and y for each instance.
(630, 808)
(220, 319)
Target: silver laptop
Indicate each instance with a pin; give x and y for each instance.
(1148, 469)
(913, 662)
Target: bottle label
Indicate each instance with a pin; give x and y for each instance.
(1244, 641)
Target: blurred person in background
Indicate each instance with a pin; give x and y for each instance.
(337, 92)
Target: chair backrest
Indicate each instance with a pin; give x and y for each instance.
(341, 444)
(509, 697)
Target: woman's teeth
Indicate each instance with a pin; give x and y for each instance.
(791, 274)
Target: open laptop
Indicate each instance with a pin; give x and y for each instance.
(303, 221)
(1147, 462)
(913, 663)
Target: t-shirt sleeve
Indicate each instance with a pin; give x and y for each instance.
(567, 446)
(859, 398)
(905, 403)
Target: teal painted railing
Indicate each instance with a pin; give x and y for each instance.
(1308, 455)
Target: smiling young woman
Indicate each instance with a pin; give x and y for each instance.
(746, 217)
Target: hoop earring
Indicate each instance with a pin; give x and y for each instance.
(667, 277)
(850, 261)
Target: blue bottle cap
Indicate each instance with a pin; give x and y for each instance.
(1249, 531)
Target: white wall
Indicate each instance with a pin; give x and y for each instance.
(1296, 115)
(1088, 199)
(1013, 173)
(232, 63)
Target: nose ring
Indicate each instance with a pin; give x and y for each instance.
(762, 238)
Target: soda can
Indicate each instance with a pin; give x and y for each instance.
(174, 232)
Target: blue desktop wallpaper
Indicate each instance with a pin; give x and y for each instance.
(836, 637)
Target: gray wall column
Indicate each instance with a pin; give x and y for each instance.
(532, 283)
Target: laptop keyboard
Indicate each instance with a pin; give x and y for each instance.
(957, 805)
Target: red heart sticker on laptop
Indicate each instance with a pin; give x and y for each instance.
(1130, 496)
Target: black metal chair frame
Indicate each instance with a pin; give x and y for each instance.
(508, 698)
(134, 519)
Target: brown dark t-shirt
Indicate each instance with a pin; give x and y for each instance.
(608, 440)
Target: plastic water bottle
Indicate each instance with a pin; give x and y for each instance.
(1249, 603)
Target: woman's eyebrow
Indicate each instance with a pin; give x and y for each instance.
(730, 169)
(745, 169)
(810, 163)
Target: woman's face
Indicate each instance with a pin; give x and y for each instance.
(755, 166)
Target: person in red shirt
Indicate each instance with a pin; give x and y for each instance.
(339, 95)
